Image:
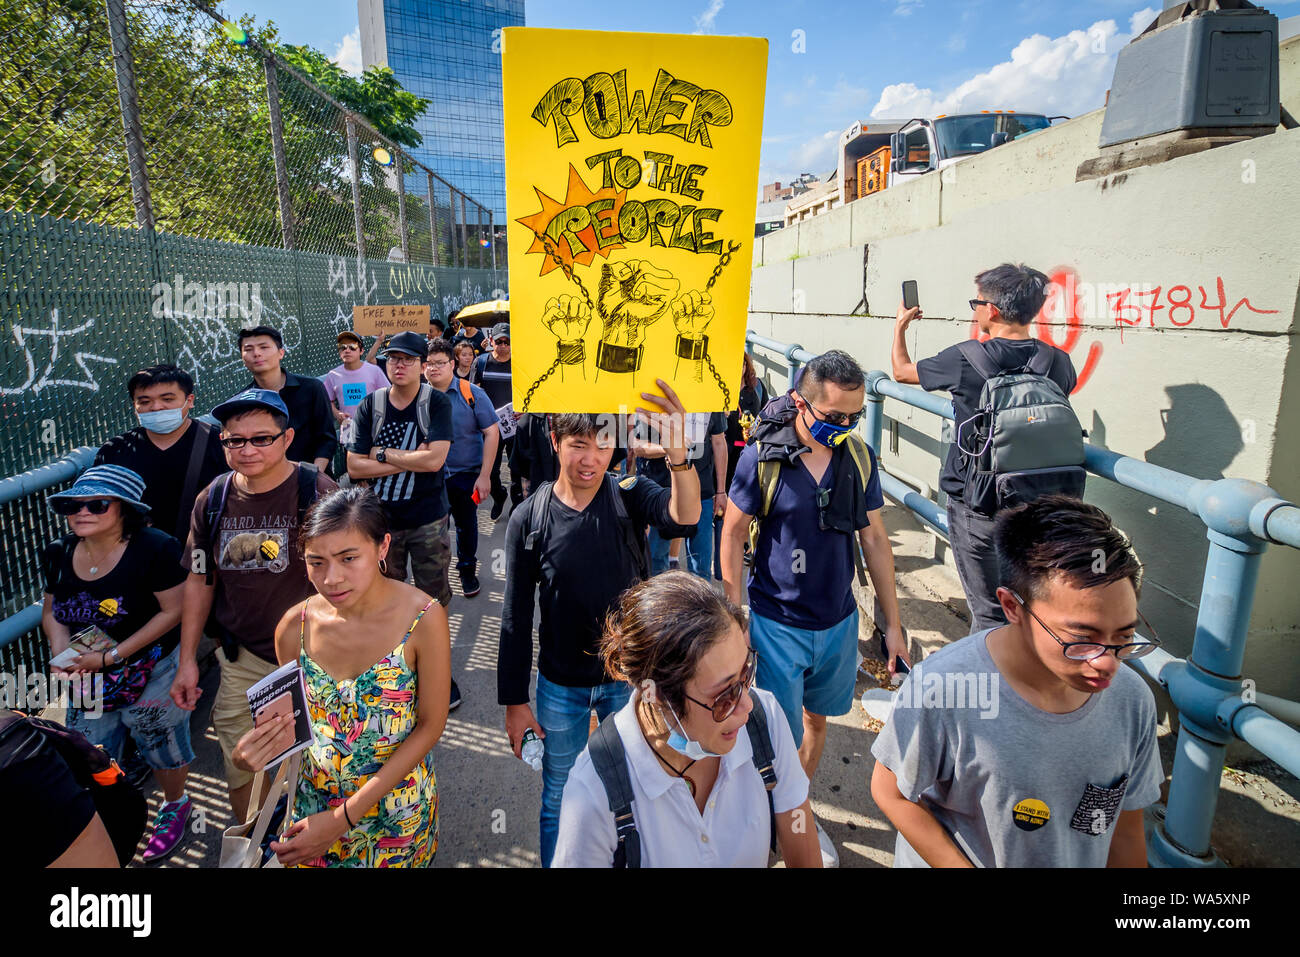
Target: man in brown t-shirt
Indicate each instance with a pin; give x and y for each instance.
(247, 571)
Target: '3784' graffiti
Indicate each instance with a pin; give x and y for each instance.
(1070, 302)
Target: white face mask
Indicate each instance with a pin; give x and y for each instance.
(680, 742)
(164, 421)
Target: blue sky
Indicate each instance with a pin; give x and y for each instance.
(832, 62)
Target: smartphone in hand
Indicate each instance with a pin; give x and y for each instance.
(910, 299)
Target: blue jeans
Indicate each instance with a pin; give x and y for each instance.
(565, 715)
(699, 547)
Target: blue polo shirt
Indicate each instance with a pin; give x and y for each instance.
(811, 588)
(467, 425)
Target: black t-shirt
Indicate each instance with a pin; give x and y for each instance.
(164, 470)
(477, 340)
(950, 371)
(578, 569)
(122, 601)
(35, 779)
(411, 499)
(701, 458)
(494, 378)
(751, 401)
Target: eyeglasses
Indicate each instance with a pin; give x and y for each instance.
(1090, 650)
(400, 359)
(257, 441)
(976, 303)
(95, 506)
(836, 418)
(724, 705)
(438, 365)
(823, 501)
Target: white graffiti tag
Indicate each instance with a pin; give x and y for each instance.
(35, 383)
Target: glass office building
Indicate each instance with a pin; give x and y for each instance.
(448, 51)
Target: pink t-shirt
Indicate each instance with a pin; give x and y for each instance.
(347, 387)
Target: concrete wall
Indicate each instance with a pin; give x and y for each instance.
(1192, 390)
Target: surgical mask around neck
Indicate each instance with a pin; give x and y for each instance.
(678, 741)
(164, 421)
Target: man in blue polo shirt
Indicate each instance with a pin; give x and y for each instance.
(825, 500)
(475, 436)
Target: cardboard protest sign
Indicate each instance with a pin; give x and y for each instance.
(389, 320)
(631, 181)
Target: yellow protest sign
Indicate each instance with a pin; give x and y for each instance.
(631, 180)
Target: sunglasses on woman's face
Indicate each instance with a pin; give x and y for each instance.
(95, 506)
(724, 705)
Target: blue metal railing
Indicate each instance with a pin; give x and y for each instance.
(1214, 704)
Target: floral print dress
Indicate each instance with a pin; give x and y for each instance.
(357, 725)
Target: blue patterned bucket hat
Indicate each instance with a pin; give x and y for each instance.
(107, 481)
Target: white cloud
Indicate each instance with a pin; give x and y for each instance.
(348, 53)
(1067, 74)
(904, 8)
(956, 43)
(704, 22)
(1142, 19)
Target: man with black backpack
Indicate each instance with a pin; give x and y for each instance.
(578, 543)
(1016, 437)
(244, 564)
(807, 496)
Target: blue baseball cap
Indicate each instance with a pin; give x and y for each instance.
(250, 399)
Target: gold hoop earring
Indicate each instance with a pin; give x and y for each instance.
(383, 566)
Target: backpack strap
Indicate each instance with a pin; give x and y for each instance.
(862, 465)
(423, 417)
(378, 411)
(217, 492)
(769, 477)
(191, 487)
(1043, 358)
(972, 351)
(610, 762)
(535, 525)
(466, 392)
(635, 541)
(760, 741)
(306, 490)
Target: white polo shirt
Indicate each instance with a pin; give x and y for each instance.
(733, 831)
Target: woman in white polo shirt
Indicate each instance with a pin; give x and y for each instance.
(698, 797)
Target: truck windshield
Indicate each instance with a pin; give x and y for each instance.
(964, 135)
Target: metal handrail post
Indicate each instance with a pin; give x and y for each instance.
(874, 419)
(791, 363)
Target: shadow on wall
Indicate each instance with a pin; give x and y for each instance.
(1202, 438)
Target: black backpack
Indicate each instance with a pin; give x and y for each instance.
(538, 518)
(1024, 440)
(120, 805)
(610, 761)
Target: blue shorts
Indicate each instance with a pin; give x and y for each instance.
(159, 727)
(816, 670)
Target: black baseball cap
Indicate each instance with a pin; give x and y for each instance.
(410, 343)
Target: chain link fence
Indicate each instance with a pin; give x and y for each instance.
(164, 182)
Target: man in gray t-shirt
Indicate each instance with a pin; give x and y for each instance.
(1031, 745)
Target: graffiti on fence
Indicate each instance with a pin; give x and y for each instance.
(206, 341)
(61, 340)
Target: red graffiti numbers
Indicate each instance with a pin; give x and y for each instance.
(1226, 319)
(1129, 306)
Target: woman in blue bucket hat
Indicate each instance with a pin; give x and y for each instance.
(112, 615)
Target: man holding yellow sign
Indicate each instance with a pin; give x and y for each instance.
(632, 174)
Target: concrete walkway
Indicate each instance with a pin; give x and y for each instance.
(489, 800)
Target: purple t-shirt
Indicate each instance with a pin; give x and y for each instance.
(346, 388)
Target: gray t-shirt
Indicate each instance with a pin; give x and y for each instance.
(1015, 786)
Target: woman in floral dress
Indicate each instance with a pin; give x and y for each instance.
(376, 657)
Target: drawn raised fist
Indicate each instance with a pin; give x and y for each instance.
(567, 317)
(633, 294)
(692, 313)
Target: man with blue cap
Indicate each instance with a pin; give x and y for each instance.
(245, 568)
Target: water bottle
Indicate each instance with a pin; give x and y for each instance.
(532, 750)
